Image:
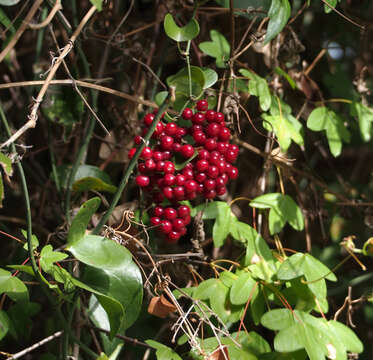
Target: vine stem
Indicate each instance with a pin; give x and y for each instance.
(131, 166)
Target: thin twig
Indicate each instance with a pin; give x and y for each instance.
(31, 123)
(57, 6)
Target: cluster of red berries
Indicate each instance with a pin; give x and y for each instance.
(208, 163)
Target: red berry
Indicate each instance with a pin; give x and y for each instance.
(158, 211)
(187, 114)
(230, 156)
(191, 195)
(213, 129)
(180, 179)
(221, 147)
(169, 167)
(155, 221)
(131, 153)
(202, 165)
(168, 192)
(170, 213)
(221, 166)
(209, 184)
(170, 129)
(166, 142)
(165, 227)
(190, 186)
(166, 155)
(219, 117)
(220, 190)
(180, 133)
(221, 180)
(142, 168)
(187, 151)
(187, 220)
(179, 193)
(146, 153)
(199, 137)
(209, 194)
(234, 148)
(188, 173)
(137, 139)
(212, 172)
(157, 156)
(201, 188)
(203, 154)
(210, 115)
(210, 144)
(158, 130)
(176, 147)
(233, 173)
(183, 211)
(196, 128)
(183, 231)
(202, 105)
(224, 134)
(173, 237)
(198, 118)
(160, 165)
(178, 224)
(200, 177)
(150, 164)
(148, 119)
(169, 179)
(142, 180)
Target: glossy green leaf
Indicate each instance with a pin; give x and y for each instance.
(218, 48)
(180, 81)
(277, 319)
(228, 278)
(97, 3)
(185, 33)
(34, 240)
(206, 289)
(323, 118)
(286, 127)
(211, 77)
(163, 352)
(13, 287)
(346, 336)
(160, 97)
(330, 6)
(48, 257)
(258, 86)
(243, 288)
(365, 118)
(81, 220)
(4, 323)
(279, 14)
(221, 227)
(9, 2)
(111, 271)
(282, 209)
(102, 356)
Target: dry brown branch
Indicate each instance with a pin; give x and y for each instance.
(32, 118)
(57, 6)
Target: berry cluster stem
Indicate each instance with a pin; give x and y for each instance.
(132, 165)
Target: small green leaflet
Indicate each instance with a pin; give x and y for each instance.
(331, 4)
(48, 257)
(218, 48)
(163, 352)
(34, 240)
(97, 3)
(285, 126)
(185, 33)
(258, 87)
(365, 117)
(279, 14)
(6, 164)
(283, 209)
(13, 287)
(323, 118)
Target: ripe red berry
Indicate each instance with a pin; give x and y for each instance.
(180, 180)
(157, 156)
(203, 154)
(160, 165)
(169, 167)
(142, 168)
(150, 164)
(220, 190)
(183, 211)
(158, 130)
(233, 173)
(142, 180)
(169, 179)
(191, 195)
(155, 221)
(190, 186)
(173, 237)
(165, 227)
(222, 147)
(187, 220)
(170, 129)
(210, 115)
(234, 148)
(158, 211)
(179, 193)
(178, 224)
(209, 194)
(137, 139)
(176, 147)
(224, 134)
(219, 117)
(209, 184)
(199, 137)
(166, 155)
(200, 177)
(210, 144)
(148, 119)
(146, 153)
(180, 133)
(168, 192)
(131, 153)
(212, 172)
(166, 142)
(202, 105)
(170, 213)
(187, 114)
(187, 151)
(188, 173)
(198, 118)
(213, 129)
(202, 165)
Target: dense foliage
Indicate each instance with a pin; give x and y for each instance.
(186, 179)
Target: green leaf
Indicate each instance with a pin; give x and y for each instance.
(9, 2)
(323, 118)
(277, 319)
(211, 77)
(4, 323)
(48, 257)
(34, 240)
(185, 33)
(97, 3)
(365, 118)
(1, 191)
(6, 164)
(218, 48)
(160, 97)
(258, 87)
(332, 4)
(81, 220)
(163, 352)
(283, 209)
(285, 126)
(346, 336)
(102, 356)
(243, 288)
(180, 81)
(221, 228)
(13, 287)
(111, 271)
(278, 13)
(284, 74)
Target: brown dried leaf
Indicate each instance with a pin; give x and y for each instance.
(221, 353)
(161, 307)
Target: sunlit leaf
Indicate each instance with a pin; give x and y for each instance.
(278, 13)
(218, 48)
(185, 33)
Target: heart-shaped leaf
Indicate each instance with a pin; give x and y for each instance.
(185, 33)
